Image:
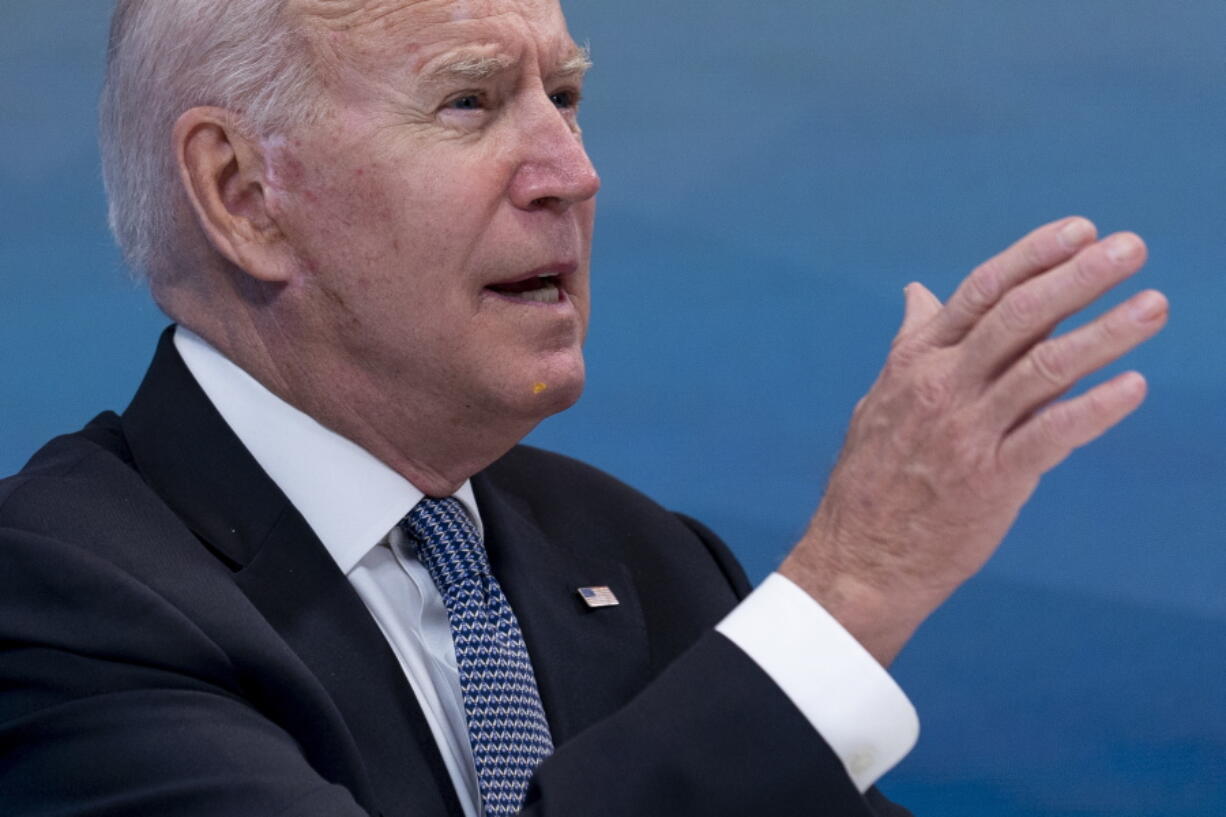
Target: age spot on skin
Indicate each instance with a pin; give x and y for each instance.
(334, 296)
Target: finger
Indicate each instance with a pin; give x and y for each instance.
(920, 306)
(1030, 311)
(1044, 440)
(1038, 252)
(1052, 367)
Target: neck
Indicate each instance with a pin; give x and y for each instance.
(434, 442)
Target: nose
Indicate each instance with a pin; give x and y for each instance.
(555, 172)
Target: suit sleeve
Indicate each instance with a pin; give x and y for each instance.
(902, 723)
(713, 735)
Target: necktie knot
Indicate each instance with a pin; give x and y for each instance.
(448, 544)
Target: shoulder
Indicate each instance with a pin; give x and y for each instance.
(82, 502)
(561, 492)
(70, 469)
(83, 536)
(80, 486)
(566, 494)
(547, 472)
(87, 549)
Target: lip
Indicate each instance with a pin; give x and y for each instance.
(561, 272)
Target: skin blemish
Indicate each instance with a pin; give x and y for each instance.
(335, 297)
(538, 388)
(283, 170)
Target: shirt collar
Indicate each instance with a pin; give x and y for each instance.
(348, 497)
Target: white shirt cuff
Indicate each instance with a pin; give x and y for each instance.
(850, 699)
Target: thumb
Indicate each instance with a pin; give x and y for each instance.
(920, 307)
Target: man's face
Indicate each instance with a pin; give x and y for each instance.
(441, 214)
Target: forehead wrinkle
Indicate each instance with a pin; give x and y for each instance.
(343, 15)
(336, 31)
(350, 38)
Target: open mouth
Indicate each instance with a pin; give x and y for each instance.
(542, 289)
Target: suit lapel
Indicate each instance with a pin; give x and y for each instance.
(187, 453)
(588, 662)
(302, 593)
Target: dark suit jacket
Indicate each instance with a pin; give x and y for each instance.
(176, 641)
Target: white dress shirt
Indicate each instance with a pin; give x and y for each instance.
(352, 501)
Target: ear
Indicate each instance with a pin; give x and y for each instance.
(222, 171)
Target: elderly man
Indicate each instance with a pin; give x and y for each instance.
(309, 570)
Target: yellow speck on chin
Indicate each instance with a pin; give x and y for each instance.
(538, 388)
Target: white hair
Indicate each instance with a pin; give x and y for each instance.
(165, 57)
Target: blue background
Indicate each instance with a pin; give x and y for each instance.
(774, 174)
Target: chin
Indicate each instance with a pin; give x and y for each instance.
(560, 399)
(554, 387)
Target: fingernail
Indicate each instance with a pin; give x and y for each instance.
(1133, 383)
(1147, 306)
(1076, 233)
(1120, 248)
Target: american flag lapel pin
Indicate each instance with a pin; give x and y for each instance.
(598, 597)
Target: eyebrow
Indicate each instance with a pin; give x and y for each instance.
(468, 67)
(578, 63)
(478, 68)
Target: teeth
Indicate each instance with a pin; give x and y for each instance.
(547, 293)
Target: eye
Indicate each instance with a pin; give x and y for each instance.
(565, 100)
(467, 102)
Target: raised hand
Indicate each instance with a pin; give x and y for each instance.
(952, 439)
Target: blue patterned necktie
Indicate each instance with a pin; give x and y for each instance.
(506, 723)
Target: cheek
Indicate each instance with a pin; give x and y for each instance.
(424, 206)
(413, 211)
(343, 217)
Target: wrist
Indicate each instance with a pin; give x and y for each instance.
(881, 612)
